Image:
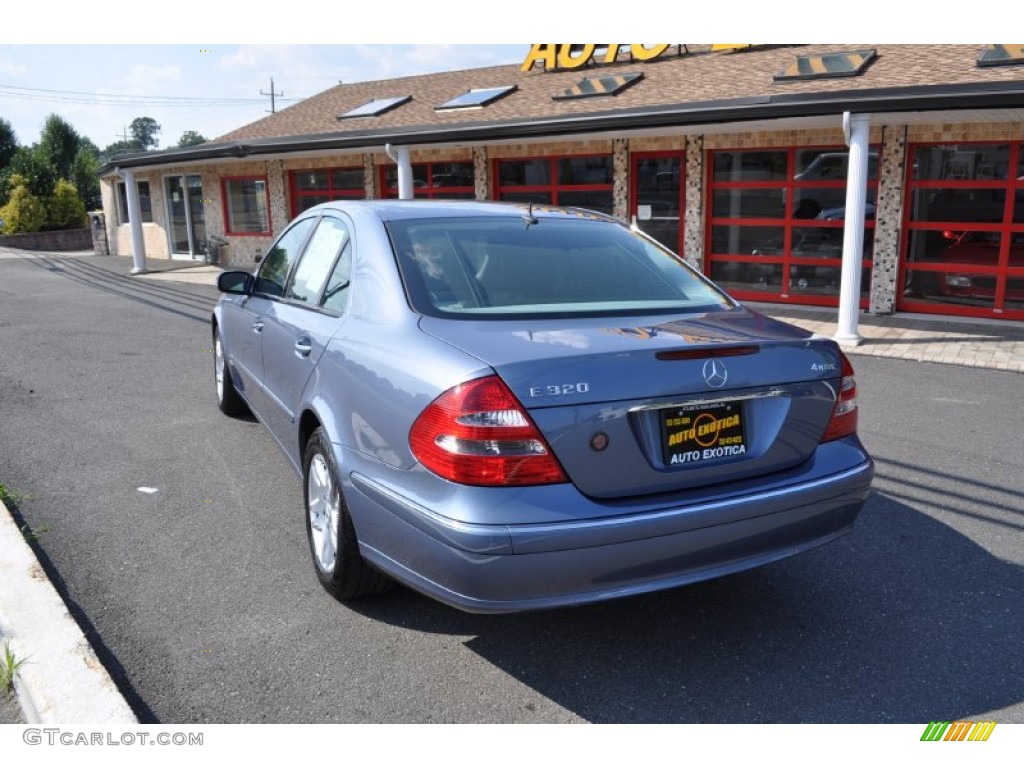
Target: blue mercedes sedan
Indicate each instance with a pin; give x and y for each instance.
(513, 407)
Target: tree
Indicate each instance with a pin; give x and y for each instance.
(24, 212)
(191, 139)
(120, 148)
(144, 131)
(8, 143)
(65, 209)
(58, 145)
(84, 175)
(30, 163)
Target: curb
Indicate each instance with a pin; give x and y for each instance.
(61, 680)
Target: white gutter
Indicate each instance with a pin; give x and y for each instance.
(856, 130)
(401, 157)
(134, 219)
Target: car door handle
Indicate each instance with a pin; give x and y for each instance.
(258, 326)
(303, 346)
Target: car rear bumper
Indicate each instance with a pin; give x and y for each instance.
(504, 568)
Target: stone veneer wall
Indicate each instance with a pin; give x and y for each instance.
(888, 221)
(965, 132)
(767, 139)
(893, 139)
(369, 177)
(594, 147)
(693, 216)
(658, 144)
(481, 176)
(620, 178)
(277, 188)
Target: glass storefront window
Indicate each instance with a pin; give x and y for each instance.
(954, 247)
(306, 202)
(310, 180)
(744, 276)
(246, 209)
(451, 175)
(449, 181)
(347, 178)
(145, 202)
(804, 190)
(658, 197)
(594, 201)
(811, 279)
(964, 248)
(321, 185)
(826, 242)
(583, 181)
(1017, 249)
(748, 240)
(748, 165)
(585, 170)
(829, 165)
(955, 287)
(749, 203)
(1014, 293)
(524, 173)
(961, 162)
(957, 204)
(827, 203)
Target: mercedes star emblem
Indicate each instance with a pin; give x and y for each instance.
(715, 374)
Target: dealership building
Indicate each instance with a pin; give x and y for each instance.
(761, 165)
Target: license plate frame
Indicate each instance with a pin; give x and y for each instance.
(694, 435)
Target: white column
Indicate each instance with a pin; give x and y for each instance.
(856, 129)
(404, 173)
(135, 221)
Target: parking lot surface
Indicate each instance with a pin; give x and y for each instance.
(176, 537)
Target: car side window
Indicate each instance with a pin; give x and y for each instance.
(314, 268)
(274, 270)
(336, 294)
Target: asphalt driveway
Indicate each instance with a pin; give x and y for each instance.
(201, 600)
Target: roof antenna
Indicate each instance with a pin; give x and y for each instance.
(529, 218)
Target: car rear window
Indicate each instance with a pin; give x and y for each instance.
(501, 267)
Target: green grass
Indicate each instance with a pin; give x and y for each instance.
(9, 495)
(33, 534)
(9, 666)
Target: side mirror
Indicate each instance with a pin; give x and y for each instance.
(235, 281)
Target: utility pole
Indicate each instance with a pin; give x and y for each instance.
(272, 95)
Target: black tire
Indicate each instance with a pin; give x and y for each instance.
(228, 399)
(343, 572)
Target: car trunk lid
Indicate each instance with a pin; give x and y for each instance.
(637, 407)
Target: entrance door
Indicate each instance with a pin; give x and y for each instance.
(658, 196)
(186, 227)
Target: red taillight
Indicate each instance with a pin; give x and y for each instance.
(478, 434)
(844, 413)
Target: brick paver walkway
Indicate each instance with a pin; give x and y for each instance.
(978, 344)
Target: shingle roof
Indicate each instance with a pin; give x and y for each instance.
(699, 76)
(696, 89)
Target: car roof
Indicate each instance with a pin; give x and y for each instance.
(396, 210)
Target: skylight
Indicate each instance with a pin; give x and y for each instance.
(376, 107)
(479, 97)
(1001, 55)
(603, 85)
(825, 65)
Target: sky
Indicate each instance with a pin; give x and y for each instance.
(209, 88)
(100, 68)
